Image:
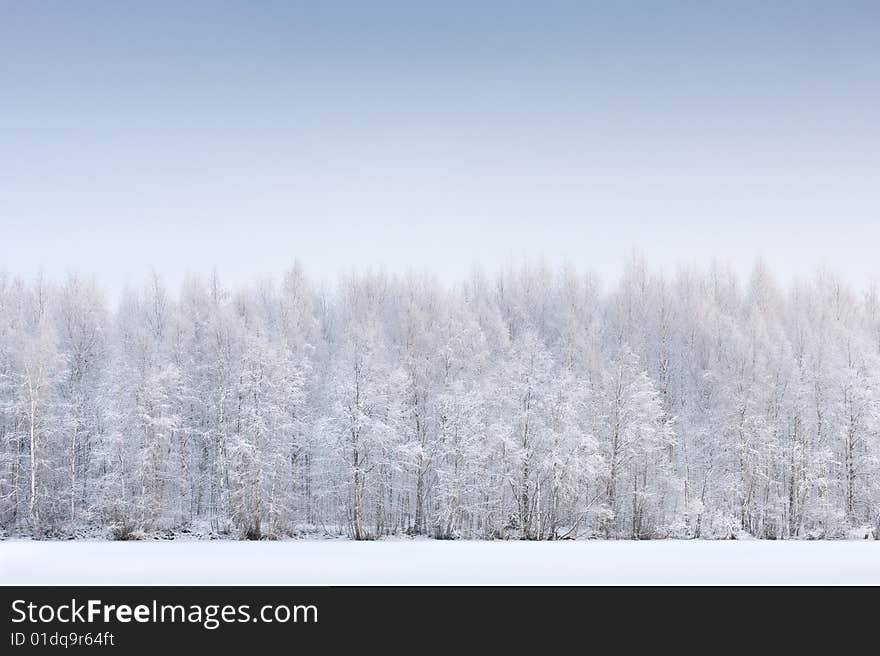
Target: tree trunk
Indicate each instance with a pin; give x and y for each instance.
(34, 506)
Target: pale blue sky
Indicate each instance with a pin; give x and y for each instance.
(348, 134)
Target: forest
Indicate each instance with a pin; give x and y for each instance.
(535, 403)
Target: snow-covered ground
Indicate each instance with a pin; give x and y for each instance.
(332, 562)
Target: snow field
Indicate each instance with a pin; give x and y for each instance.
(426, 562)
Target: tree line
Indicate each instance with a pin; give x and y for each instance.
(531, 404)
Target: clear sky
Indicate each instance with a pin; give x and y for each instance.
(436, 135)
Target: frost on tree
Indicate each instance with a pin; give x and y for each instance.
(536, 404)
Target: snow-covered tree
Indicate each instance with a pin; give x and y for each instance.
(534, 404)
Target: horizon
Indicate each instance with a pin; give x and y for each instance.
(605, 285)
